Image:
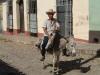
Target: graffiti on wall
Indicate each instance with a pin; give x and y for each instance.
(81, 20)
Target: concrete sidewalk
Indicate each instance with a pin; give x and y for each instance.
(19, 39)
(81, 47)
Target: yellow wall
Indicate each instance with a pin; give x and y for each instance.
(80, 19)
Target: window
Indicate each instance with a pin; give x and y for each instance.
(10, 15)
(64, 15)
(33, 16)
(10, 7)
(33, 6)
(61, 2)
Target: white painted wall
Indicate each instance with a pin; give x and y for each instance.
(26, 14)
(80, 19)
(42, 7)
(5, 15)
(16, 16)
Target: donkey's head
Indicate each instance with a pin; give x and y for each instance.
(50, 41)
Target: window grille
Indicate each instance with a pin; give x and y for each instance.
(64, 16)
(10, 15)
(33, 6)
(33, 16)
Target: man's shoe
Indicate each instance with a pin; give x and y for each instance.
(42, 59)
(38, 46)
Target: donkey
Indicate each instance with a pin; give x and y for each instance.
(57, 44)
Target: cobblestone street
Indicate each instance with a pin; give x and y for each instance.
(25, 58)
(70, 26)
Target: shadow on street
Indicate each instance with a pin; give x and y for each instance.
(77, 64)
(67, 66)
(6, 69)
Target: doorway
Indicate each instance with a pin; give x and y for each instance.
(21, 12)
(33, 17)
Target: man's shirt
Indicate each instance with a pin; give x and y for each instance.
(50, 25)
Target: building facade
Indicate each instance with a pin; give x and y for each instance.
(86, 24)
(19, 16)
(94, 21)
(79, 18)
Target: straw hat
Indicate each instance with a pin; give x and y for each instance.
(50, 11)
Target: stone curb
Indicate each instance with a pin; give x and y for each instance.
(86, 52)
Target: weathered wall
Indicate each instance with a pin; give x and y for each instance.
(43, 6)
(80, 19)
(94, 21)
(0, 17)
(94, 15)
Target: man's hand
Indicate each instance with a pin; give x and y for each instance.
(45, 31)
(49, 35)
(56, 29)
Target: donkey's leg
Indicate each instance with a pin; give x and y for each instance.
(73, 51)
(54, 61)
(56, 55)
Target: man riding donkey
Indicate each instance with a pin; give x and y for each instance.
(50, 27)
(53, 41)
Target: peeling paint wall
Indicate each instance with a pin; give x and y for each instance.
(43, 6)
(80, 19)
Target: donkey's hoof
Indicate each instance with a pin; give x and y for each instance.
(44, 67)
(50, 71)
(56, 73)
(42, 59)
